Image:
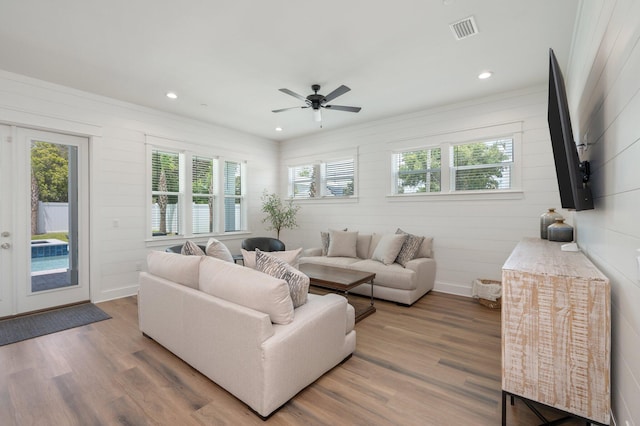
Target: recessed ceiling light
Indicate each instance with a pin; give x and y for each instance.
(278, 129)
(484, 75)
(172, 95)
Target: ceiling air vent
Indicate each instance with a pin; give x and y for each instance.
(464, 28)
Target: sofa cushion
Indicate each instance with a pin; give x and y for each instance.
(292, 257)
(342, 244)
(189, 248)
(362, 246)
(174, 267)
(246, 287)
(388, 248)
(375, 239)
(218, 250)
(278, 268)
(392, 276)
(409, 249)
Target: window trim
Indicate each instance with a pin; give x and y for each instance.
(187, 152)
(320, 179)
(445, 141)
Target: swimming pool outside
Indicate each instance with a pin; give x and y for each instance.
(50, 264)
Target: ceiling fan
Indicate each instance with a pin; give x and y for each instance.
(317, 101)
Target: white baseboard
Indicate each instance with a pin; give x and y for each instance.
(451, 288)
(117, 293)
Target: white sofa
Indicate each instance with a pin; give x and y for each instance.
(230, 335)
(394, 282)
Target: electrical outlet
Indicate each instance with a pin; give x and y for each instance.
(138, 266)
(116, 223)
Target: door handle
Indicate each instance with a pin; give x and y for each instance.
(5, 245)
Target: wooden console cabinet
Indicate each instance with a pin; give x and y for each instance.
(556, 325)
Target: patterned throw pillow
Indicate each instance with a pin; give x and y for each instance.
(189, 248)
(409, 249)
(278, 268)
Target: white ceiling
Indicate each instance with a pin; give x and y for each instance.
(226, 60)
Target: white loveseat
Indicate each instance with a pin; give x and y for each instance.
(401, 284)
(228, 333)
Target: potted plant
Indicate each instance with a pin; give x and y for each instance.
(280, 214)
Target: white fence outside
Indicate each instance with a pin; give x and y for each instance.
(53, 217)
(200, 218)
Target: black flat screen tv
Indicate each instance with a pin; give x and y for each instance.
(572, 174)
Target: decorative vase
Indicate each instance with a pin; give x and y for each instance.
(547, 219)
(560, 231)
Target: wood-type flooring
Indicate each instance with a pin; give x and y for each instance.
(435, 363)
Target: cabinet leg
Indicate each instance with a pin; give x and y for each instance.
(504, 408)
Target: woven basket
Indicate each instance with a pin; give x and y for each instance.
(491, 304)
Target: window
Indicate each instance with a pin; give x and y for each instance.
(193, 194)
(334, 178)
(417, 171)
(166, 194)
(233, 196)
(202, 195)
(484, 165)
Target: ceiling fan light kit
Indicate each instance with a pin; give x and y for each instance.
(316, 101)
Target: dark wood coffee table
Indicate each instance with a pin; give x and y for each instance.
(341, 280)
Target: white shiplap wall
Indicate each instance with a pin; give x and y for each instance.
(472, 236)
(118, 168)
(604, 92)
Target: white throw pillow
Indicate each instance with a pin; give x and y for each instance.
(388, 248)
(292, 257)
(278, 268)
(246, 287)
(174, 267)
(342, 244)
(218, 250)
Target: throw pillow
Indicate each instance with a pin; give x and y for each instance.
(342, 244)
(425, 249)
(388, 248)
(292, 257)
(189, 248)
(218, 250)
(325, 239)
(409, 249)
(278, 268)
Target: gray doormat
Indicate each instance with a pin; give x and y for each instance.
(30, 326)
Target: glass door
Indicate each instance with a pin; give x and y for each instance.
(47, 224)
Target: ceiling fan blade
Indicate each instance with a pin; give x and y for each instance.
(343, 108)
(294, 94)
(339, 91)
(287, 109)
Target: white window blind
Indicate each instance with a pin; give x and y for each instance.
(233, 196)
(324, 179)
(482, 165)
(203, 201)
(166, 194)
(338, 178)
(303, 181)
(418, 171)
